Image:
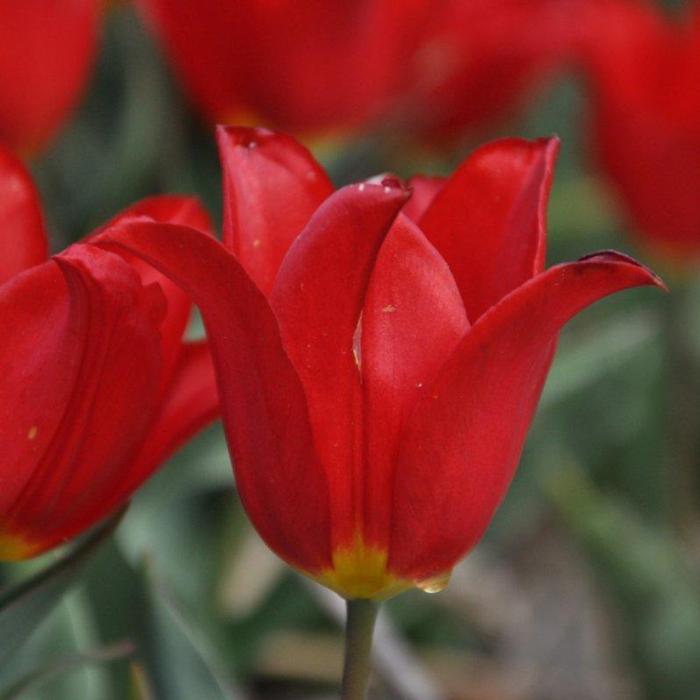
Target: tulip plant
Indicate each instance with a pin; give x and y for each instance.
(378, 369)
(106, 389)
(644, 69)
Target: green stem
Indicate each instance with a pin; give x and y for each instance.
(683, 382)
(358, 646)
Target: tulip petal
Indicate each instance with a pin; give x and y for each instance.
(644, 71)
(311, 67)
(318, 298)
(206, 44)
(272, 186)
(36, 327)
(460, 447)
(191, 402)
(281, 483)
(173, 209)
(22, 237)
(46, 56)
(412, 321)
(81, 434)
(488, 221)
(168, 208)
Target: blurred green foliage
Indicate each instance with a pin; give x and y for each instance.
(586, 552)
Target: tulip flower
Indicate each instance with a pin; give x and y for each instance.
(97, 386)
(377, 372)
(644, 68)
(306, 66)
(326, 66)
(479, 62)
(46, 54)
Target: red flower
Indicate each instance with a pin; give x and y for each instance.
(97, 385)
(476, 62)
(324, 65)
(645, 70)
(306, 66)
(378, 373)
(46, 53)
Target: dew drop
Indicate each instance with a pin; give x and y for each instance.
(435, 584)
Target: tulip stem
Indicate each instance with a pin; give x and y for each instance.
(359, 627)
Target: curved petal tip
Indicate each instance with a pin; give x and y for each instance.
(614, 257)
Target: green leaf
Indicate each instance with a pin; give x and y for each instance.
(174, 660)
(648, 578)
(73, 662)
(24, 606)
(582, 361)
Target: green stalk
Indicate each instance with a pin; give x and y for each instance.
(359, 627)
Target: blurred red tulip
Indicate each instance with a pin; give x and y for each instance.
(645, 71)
(46, 53)
(477, 62)
(97, 386)
(378, 373)
(321, 66)
(306, 66)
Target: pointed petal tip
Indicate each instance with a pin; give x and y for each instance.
(613, 257)
(548, 147)
(552, 147)
(550, 144)
(245, 136)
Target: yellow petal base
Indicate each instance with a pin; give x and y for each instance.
(361, 572)
(13, 548)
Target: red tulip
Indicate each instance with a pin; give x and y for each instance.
(97, 386)
(46, 53)
(645, 71)
(478, 62)
(306, 66)
(377, 373)
(326, 65)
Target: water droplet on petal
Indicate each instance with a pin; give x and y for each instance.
(435, 584)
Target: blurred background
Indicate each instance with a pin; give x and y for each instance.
(587, 585)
